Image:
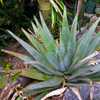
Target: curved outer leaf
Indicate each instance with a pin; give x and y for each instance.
(19, 55)
(42, 85)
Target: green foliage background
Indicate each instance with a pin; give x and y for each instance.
(12, 17)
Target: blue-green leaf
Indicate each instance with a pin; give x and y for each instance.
(84, 43)
(42, 85)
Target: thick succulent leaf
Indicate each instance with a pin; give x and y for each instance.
(85, 60)
(74, 25)
(34, 53)
(26, 58)
(61, 62)
(19, 55)
(45, 35)
(42, 85)
(29, 48)
(67, 40)
(94, 44)
(47, 41)
(47, 32)
(35, 64)
(35, 42)
(86, 70)
(67, 60)
(52, 58)
(31, 39)
(34, 74)
(38, 39)
(95, 69)
(95, 77)
(30, 73)
(52, 43)
(74, 73)
(63, 41)
(65, 32)
(38, 46)
(47, 70)
(84, 43)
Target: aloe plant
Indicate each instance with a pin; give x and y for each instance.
(53, 65)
